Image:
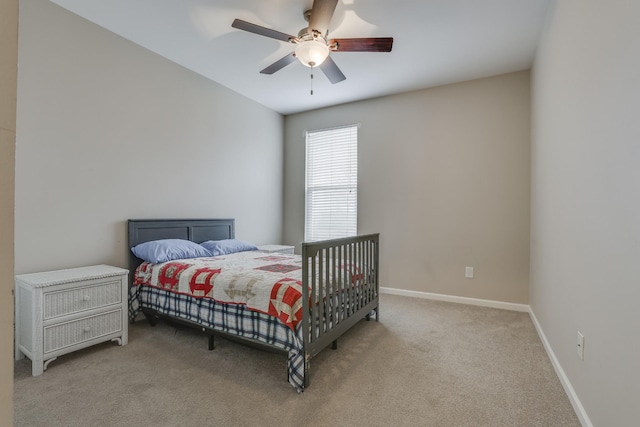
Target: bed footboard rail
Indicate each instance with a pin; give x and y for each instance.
(340, 287)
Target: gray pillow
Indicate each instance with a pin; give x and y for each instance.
(157, 251)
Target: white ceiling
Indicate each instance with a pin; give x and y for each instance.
(435, 42)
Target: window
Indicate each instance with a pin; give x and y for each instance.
(332, 183)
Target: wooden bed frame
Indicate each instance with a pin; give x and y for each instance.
(325, 318)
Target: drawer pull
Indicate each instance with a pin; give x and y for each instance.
(86, 329)
(87, 298)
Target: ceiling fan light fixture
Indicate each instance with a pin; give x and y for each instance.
(312, 53)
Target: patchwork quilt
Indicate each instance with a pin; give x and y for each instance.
(268, 283)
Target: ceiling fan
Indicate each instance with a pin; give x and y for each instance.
(312, 43)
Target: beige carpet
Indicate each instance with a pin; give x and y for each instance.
(426, 363)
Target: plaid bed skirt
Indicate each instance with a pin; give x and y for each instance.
(233, 319)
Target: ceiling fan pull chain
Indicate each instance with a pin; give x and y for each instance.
(311, 78)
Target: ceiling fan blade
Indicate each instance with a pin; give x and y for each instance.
(331, 70)
(372, 44)
(263, 31)
(321, 14)
(279, 64)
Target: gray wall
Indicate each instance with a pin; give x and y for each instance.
(8, 84)
(444, 177)
(108, 131)
(585, 208)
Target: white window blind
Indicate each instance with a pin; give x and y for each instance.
(332, 183)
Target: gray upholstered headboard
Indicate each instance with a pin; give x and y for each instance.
(196, 230)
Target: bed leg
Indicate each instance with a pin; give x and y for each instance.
(334, 345)
(151, 317)
(211, 347)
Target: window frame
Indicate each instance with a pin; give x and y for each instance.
(338, 146)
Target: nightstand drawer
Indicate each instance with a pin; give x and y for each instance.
(74, 300)
(74, 332)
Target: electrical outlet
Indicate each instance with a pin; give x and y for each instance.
(468, 272)
(580, 345)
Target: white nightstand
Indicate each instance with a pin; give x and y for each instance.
(283, 249)
(61, 311)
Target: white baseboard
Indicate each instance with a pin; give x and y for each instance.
(564, 380)
(460, 300)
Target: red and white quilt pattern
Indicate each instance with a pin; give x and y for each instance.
(264, 282)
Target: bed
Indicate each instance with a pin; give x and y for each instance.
(335, 283)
